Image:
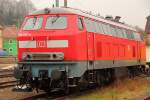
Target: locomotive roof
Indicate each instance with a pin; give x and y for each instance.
(67, 10)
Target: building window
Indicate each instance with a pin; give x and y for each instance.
(5, 49)
(10, 49)
(10, 41)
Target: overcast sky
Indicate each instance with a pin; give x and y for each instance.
(133, 12)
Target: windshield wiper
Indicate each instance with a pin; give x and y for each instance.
(56, 18)
(34, 20)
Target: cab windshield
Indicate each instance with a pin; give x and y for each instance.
(52, 22)
(34, 23)
(56, 22)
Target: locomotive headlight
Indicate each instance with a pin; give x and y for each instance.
(28, 56)
(24, 56)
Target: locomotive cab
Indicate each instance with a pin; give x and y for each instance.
(62, 33)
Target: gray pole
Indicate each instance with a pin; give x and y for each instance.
(147, 27)
(57, 3)
(65, 3)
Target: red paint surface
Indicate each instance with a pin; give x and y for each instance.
(84, 45)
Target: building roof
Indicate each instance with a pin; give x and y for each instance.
(10, 32)
(67, 10)
(147, 28)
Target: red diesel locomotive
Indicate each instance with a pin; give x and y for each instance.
(62, 48)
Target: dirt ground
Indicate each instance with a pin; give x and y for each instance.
(11, 94)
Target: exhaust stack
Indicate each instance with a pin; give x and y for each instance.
(65, 3)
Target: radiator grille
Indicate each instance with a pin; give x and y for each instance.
(49, 56)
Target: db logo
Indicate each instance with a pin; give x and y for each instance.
(41, 44)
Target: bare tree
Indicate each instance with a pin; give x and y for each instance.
(12, 12)
(7, 14)
(24, 7)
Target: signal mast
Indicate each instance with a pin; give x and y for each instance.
(65, 3)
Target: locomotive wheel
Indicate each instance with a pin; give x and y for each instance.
(99, 82)
(83, 83)
(111, 75)
(99, 79)
(67, 90)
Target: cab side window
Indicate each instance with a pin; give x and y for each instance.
(80, 24)
(89, 24)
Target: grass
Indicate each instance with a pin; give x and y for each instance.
(127, 89)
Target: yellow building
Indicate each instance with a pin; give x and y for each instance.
(147, 39)
(1, 39)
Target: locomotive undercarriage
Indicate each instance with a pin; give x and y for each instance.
(62, 80)
(59, 80)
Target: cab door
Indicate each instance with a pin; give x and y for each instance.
(90, 50)
(90, 34)
(90, 46)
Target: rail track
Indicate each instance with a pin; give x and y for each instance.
(35, 97)
(44, 96)
(5, 70)
(6, 75)
(57, 95)
(7, 84)
(7, 81)
(4, 81)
